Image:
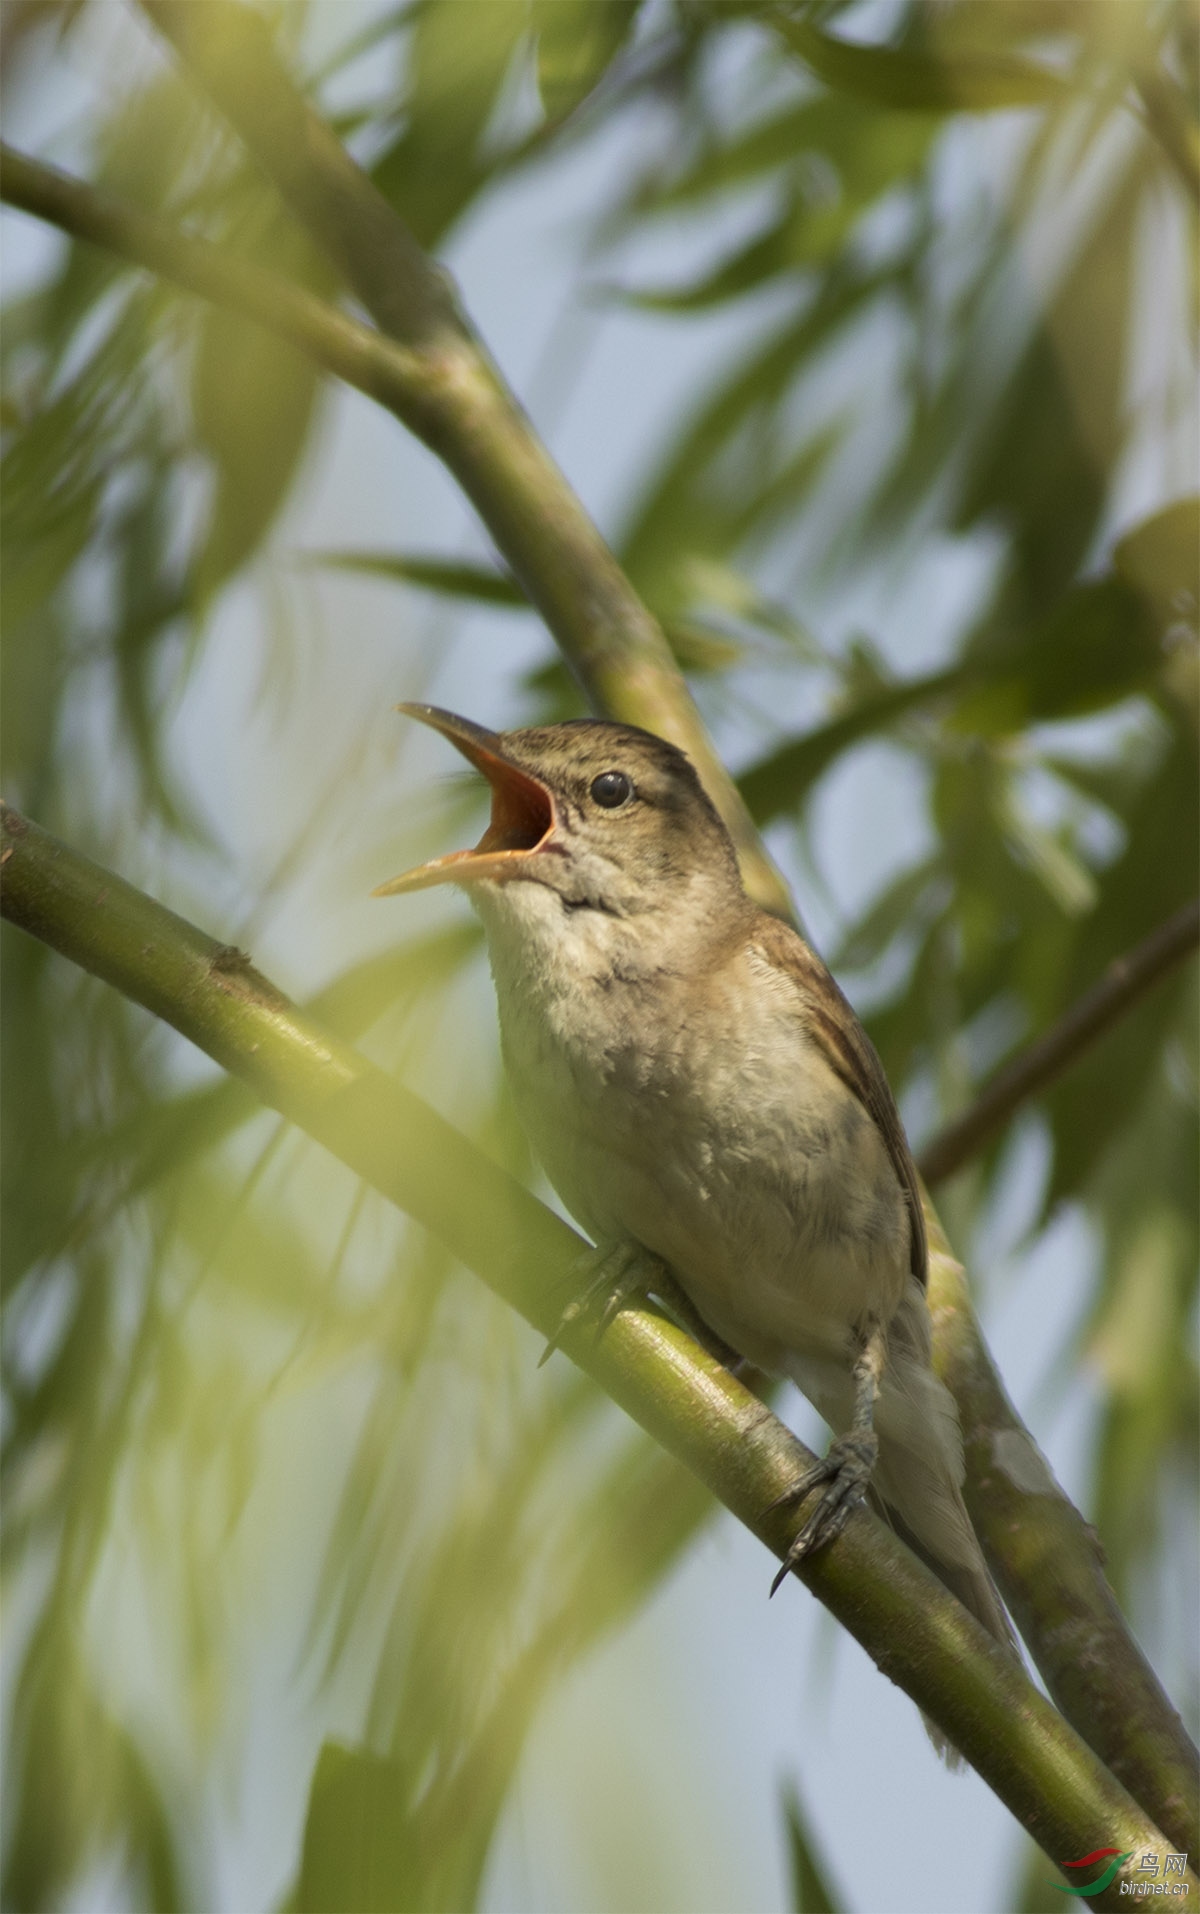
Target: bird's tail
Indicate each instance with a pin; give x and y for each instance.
(919, 1474)
(917, 1481)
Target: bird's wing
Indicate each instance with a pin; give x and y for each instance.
(831, 1023)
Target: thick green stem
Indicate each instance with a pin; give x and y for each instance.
(1048, 1564)
(917, 1633)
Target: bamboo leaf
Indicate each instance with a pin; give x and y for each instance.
(460, 55)
(359, 1855)
(253, 401)
(448, 578)
(576, 40)
(1161, 558)
(781, 781)
(811, 1892)
(1097, 646)
(921, 82)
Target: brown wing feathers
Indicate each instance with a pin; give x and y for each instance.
(850, 1053)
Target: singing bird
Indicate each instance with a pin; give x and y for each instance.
(708, 1106)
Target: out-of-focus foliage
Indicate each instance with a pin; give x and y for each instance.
(964, 256)
(811, 1893)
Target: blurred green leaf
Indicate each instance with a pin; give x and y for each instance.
(359, 1854)
(867, 150)
(1161, 559)
(834, 159)
(1097, 647)
(1041, 462)
(684, 516)
(1140, 889)
(811, 1892)
(576, 40)
(698, 649)
(765, 257)
(385, 26)
(252, 401)
(899, 77)
(1140, 1345)
(905, 904)
(779, 782)
(450, 578)
(72, 1743)
(459, 59)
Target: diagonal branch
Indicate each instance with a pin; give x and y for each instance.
(378, 366)
(917, 1633)
(1126, 980)
(1049, 1565)
(614, 646)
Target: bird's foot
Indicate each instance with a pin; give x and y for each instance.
(846, 1471)
(612, 1277)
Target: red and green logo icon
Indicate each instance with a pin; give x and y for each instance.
(1115, 1860)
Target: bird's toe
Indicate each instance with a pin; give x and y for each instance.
(846, 1472)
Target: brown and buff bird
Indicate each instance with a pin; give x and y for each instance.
(707, 1104)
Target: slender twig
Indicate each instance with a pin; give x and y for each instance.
(917, 1633)
(387, 372)
(1041, 1063)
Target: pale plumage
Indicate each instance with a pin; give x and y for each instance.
(696, 1085)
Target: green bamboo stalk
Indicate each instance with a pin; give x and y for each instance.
(1050, 1569)
(913, 1629)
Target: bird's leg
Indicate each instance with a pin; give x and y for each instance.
(846, 1467)
(617, 1274)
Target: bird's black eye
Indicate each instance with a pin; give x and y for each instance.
(612, 788)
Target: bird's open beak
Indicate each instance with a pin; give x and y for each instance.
(522, 810)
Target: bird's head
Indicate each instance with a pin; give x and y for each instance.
(608, 817)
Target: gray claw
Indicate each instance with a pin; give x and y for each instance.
(847, 1471)
(612, 1278)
